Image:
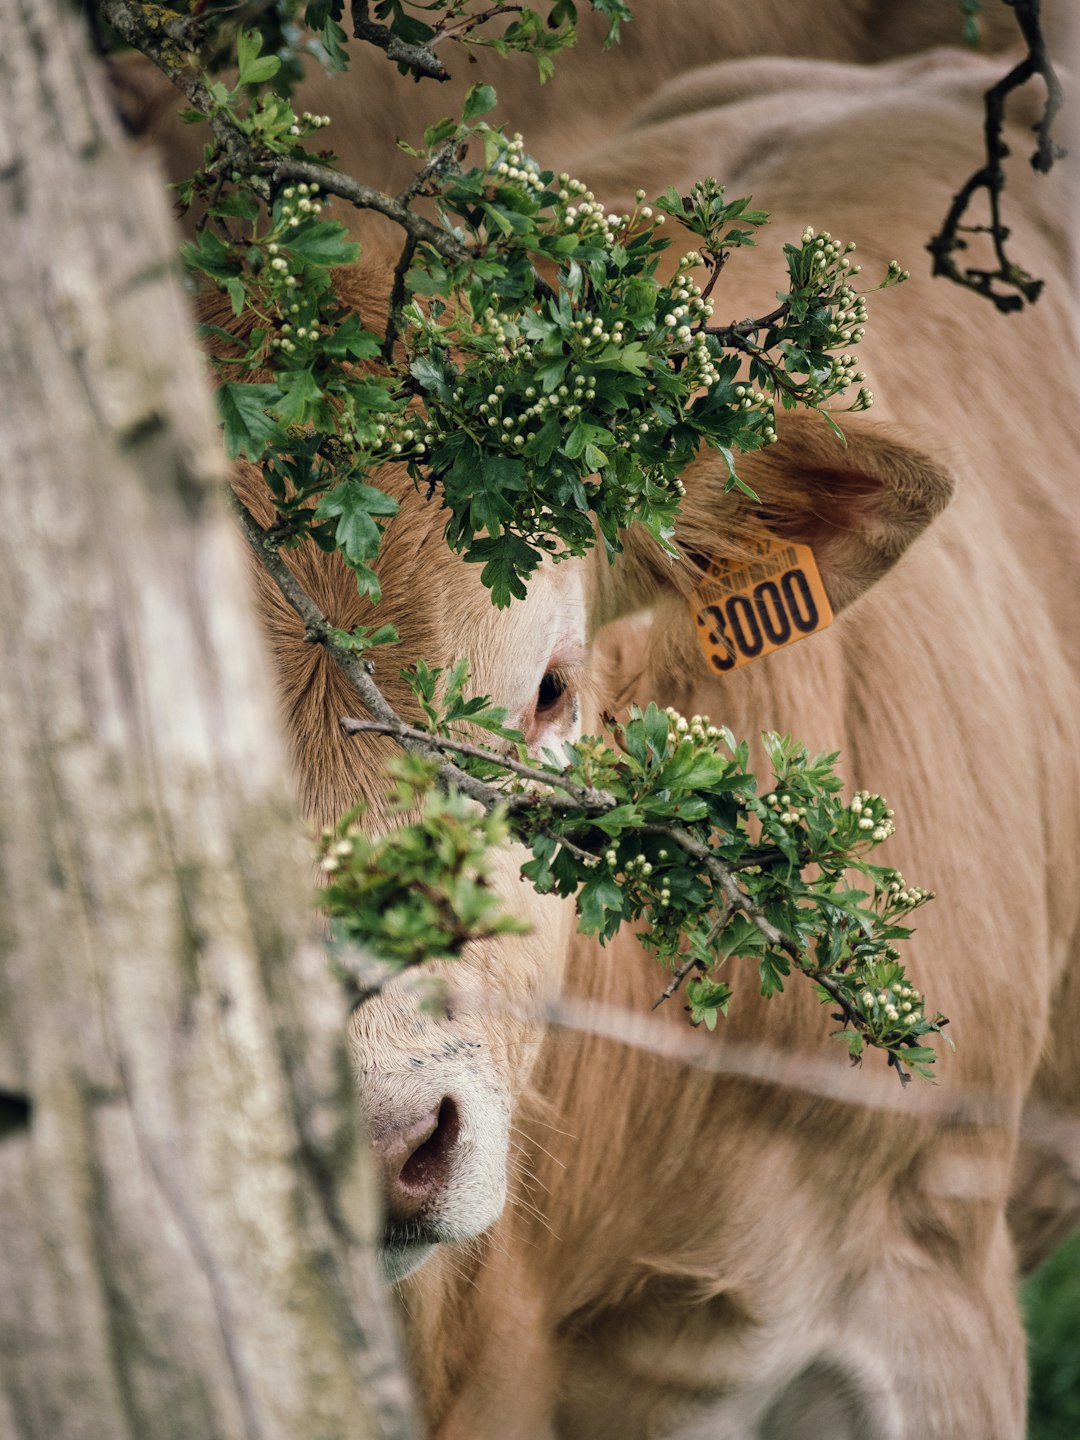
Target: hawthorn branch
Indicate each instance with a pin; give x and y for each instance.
(591, 801)
(397, 298)
(447, 29)
(282, 169)
(576, 800)
(386, 721)
(172, 47)
(991, 176)
(418, 58)
(694, 963)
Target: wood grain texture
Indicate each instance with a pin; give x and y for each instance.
(185, 1216)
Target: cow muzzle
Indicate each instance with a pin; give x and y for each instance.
(442, 1174)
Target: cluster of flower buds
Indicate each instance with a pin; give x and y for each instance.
(844, 372)
(595, 333)
(902, 896)
(872, 816)
(512, 424)
(309, 122)
(637, 871)
(583, 215)
(847, 324)
(826, 251)
(896, 1003)
(519, 168)
(687, 304)
(299, 202)
(698, 730)
(784, 808)
(300, 322)
(400, 436)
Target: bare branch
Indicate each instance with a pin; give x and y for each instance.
(397, 298)
(991, 176)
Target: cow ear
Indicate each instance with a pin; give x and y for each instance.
(858, 506)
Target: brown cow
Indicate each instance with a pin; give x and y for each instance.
(770, 1245)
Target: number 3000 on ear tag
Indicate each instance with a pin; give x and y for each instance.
(749, 607)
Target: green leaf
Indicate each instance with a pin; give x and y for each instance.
(656, 730)
(323, 242)
(595, 902)
(248, 428)
(355, 504)
(255, 68)
(507, 560)
(773, 966)
(478, 101)
(299, 397)
(237, 292)
(350, 340)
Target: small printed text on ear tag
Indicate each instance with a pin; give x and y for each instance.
(749, 607)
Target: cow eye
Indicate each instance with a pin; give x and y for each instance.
(555, 711)
(549, 692)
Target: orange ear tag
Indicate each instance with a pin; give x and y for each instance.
(749, 607)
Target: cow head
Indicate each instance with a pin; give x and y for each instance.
(438, 1083)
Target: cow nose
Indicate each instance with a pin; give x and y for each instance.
(415, 1159)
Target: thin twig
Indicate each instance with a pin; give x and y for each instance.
(735, 336)
(694, 963)
(722, 917)
(453, 152)
(991, 176)
(449, 30)
(723, 877)
(397, 298)
(593, 801)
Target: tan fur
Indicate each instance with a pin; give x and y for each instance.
(730, 1258)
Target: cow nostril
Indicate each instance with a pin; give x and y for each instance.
(416, 1160)
(427, 1168)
